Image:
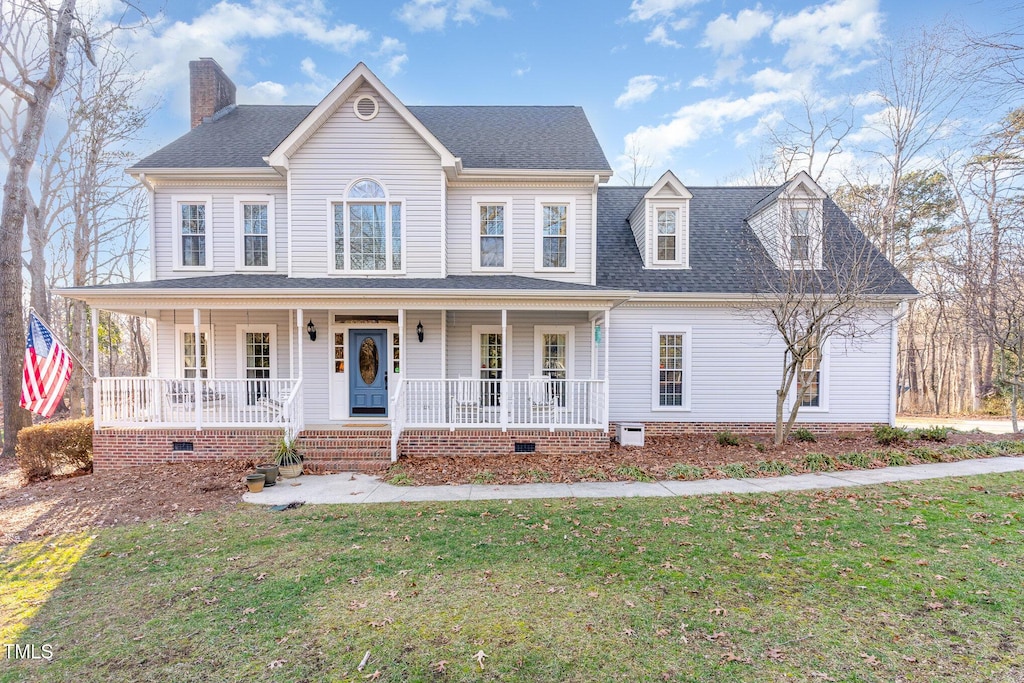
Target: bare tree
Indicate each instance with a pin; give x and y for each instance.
(1007, 334)
(33, 61)
(639, 167)
(809, 143)
(815, 278)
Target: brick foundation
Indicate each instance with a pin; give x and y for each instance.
(751, 428)
(114, 448)
(426, 443)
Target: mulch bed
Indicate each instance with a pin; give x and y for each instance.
(82, 500)
(655, 459)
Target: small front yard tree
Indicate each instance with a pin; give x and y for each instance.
(815, 278)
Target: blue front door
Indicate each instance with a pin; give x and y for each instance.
(368, 380)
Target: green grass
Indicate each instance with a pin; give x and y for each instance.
(483, 477)
(774, 467)
(591, 474)
(908, 581)
(682, 470)
(734, 470)
(634, 472)
(819, 462)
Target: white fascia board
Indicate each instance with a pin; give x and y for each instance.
(668, 178)
(334, 99)
(711, 297)
(258, 172)
(534, 173)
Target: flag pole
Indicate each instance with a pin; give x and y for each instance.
(67, 347)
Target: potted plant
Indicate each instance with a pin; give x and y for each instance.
(255, 482)
(289, 461)
(270, 470)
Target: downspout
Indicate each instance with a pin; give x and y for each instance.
(593, 233)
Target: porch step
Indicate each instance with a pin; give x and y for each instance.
(347, 450)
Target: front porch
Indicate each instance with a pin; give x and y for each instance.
(494, 379)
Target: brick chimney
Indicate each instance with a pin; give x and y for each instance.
(211, 89)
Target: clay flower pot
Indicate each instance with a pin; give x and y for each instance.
(269, 470)
(255, 482)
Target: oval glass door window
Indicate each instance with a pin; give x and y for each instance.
(369, 360)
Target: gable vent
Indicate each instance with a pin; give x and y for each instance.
(366, 107)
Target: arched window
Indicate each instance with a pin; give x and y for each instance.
(367, 230)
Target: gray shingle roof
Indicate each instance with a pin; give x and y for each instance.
(725, 255)
(516, 137)
(278, 282)
(238, 139)
(484, 137)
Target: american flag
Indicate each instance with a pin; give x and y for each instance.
(47, 369)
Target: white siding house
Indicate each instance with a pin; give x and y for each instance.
(372, 278)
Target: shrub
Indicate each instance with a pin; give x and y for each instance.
(483, 477)
(985, 450)
(734, 470)
(926, 454)
(684, 471)
(804, 435)
(591, 473)
(1009, 447)
(958, 453)
(397, 476)
(774, 467)
(819, 462)
(632, 472)
(932, 434)
(856, 459)
(51, 447)
(760, 448)
(727, 438)
(887, 436)
(537, 476)
(894, 458)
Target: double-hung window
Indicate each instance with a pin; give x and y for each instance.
(186, 346)
(192, 239)
(554, 248)
(492, 236)
(670, 235)
(368, 230)
(671, 377)
(254, 225)
(812, 379)
(800, 234)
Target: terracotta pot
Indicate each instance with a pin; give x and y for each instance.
(270, 471)
(255, 482)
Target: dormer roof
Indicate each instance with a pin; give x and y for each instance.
(668, 185)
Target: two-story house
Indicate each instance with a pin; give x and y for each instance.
(375, 278)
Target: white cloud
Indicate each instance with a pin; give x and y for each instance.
(308, 67)
(644, 10)
(226, 32)
(265, 92)
(395, 64)
(701, 82)
(659, 35)
(389, 45)
(638, 89)
(695, 121)
(433, 15)
(773, 79)
(728, 35)
(816, 35)
(520, 72)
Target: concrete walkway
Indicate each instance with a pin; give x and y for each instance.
(362, 488)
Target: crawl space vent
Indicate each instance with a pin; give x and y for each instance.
(526, 448)
(177, 446)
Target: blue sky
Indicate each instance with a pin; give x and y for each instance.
(694, 83)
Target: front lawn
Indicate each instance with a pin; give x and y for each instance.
(911, 581)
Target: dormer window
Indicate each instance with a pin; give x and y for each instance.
(661, 224)
(800, 234)
(668, 246)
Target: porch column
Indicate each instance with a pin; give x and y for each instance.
(444, 343)
(606, 340)
(504, 370)
(95, 365)
(298, 333)
(291, 350)
(198, 385)
(403, 362)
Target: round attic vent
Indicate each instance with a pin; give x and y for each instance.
(366, 107)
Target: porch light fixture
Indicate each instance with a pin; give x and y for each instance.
(419, 331)
(311, 329)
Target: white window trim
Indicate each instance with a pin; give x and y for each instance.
(474, 228)
(475, 332)
(815, 232)
(179, 348)
(823, 385)
(682, 258)
(176, 202)
(240, 201)
(345, 202)
(570, 234)
(240, 332)
(687, 332)
(570, 345)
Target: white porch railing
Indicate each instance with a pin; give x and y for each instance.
(161, 402)
(536, 402)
